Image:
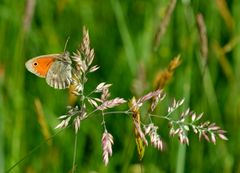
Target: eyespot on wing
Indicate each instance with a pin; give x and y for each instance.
(40, 65)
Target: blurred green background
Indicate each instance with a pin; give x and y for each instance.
(121, 33)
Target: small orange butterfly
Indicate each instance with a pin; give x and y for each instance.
(56, 68)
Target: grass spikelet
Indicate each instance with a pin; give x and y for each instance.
(139, 135)
(163, 77)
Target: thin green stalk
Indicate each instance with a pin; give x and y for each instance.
(18, 101)
(74, 153)
(182, 148)
(210, 91)
(127, 41)
(188, 19)
(181, 156)
(31, 151)
(2, 126)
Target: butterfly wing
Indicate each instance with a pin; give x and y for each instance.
(40, 65)
(56, 68)
(59, 75)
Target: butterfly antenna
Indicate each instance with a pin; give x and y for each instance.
(66, 44)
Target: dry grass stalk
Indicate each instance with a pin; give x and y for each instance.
(203, 37)
(164, 24)
(223, 61)
(29, 12)
(141, 141)
(41, 120)
(231, 44)
(163, 77)
(224, 11)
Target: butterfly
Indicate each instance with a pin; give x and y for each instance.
(56, 68)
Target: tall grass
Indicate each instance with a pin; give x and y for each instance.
(122, 33)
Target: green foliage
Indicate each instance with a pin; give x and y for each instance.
(121, 34)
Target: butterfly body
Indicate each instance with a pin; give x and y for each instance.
(56, 68)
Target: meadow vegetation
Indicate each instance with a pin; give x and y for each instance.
(151, 50)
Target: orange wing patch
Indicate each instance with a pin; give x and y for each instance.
(42, 65)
